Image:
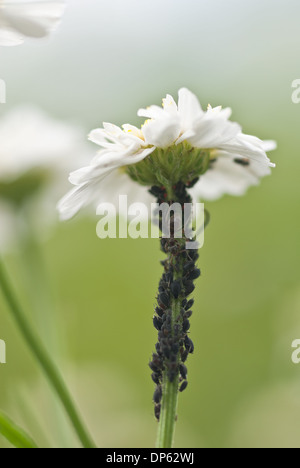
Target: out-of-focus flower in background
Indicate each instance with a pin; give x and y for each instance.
(177, 143)
(36, 154)
(20, 19)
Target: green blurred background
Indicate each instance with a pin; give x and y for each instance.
(109, 58)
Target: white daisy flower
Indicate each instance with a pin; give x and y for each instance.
(31, 139)
(24, 18)
(36, 154)
(176, 143)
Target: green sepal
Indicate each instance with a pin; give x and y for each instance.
(168, 166)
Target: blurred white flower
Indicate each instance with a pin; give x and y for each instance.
(22, 18)
(29, 138)
(235, 160)
(36, 154)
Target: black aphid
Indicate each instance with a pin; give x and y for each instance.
(157, 409)
(193, 275)
(189, 288)
(159, 311)
(188, 313)
(176, 289)
(173, 346)
(184, 355)
(183, 386)
(189, 304)
(242, 162)
(183, 371)
(189, 266)
(164, 299)
(157, 323)
(189, 344)
(156, 378)
(186, 325)
(157, 394)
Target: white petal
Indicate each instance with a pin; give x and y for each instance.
(34, 19)
(98, 137)
(105, 164)
(186, 136)
(228, 177)
(250, 147)
(257, 156)
(188, 108)
(89, 182)
(76, 199)
(212, 131)
(9, 37)
(110, 136)
(77, 177)
(269, 145)
(161, 132)
(170, 106)
(112, 128)
(225, 113)
(152, 112)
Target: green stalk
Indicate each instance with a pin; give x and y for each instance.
(172, 319)
(38, 350)
(166, 425)
(167, 422)
(168, 415)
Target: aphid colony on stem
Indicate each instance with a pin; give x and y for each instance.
(173, 311)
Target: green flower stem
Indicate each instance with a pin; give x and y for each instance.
(43, 358)
(172, 318)
(168, 415)
(166, 425)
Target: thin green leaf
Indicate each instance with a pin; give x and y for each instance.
(14, 434)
